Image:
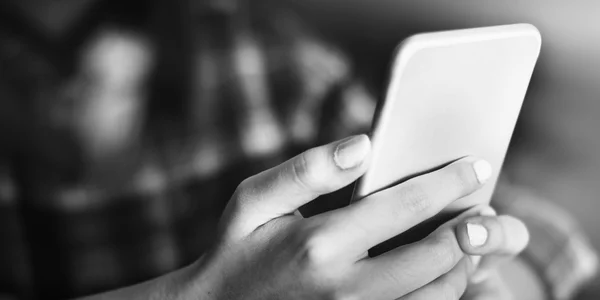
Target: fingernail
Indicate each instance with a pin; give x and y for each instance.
(351, 152)
(477, 233)
(483, 170)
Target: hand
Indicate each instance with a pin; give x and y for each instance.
(265, 251)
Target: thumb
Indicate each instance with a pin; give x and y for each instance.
(283, 189)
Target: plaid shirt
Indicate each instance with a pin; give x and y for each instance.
(118, 170)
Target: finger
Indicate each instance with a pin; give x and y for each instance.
(493, 288)
(403, 270)
(484, 235)
(497, 239)
(283, 189)
(379, 217)
(450, 286)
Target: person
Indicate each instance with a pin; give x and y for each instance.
(126, 173)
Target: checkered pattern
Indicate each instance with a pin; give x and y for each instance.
(120, 169)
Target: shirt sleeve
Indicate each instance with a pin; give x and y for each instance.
(559, 251)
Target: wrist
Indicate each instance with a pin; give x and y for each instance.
(194, 282)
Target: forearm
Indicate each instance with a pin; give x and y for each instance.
(181, 284)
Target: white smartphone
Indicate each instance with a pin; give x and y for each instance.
(450, 94)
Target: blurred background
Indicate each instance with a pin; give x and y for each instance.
(126, 125)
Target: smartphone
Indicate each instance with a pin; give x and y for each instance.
(450, 94)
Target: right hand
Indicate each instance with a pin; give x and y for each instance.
(265, 251)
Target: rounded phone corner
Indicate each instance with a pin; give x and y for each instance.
(527, 29)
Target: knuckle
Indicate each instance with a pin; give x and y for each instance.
(318, 265)
(243, 186)
(314, 252)
(302, 171)
(414, 198)
(243, 190)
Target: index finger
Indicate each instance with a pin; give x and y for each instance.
(357, 228)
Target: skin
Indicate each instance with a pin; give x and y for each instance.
(267, 251)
